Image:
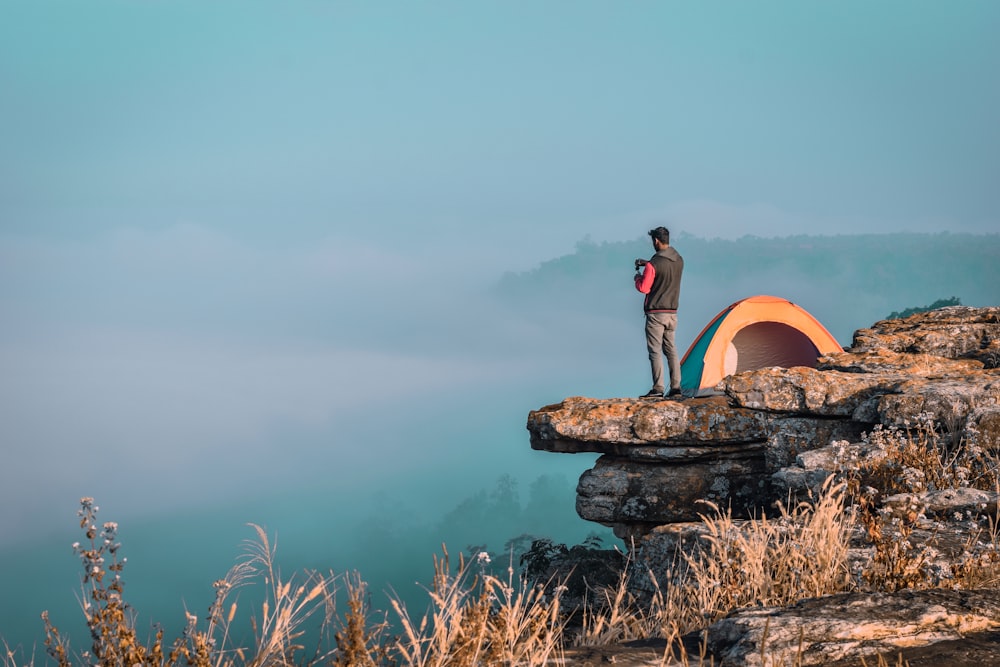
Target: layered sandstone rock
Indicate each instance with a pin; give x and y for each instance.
(661, 459)
(957, 332)
(776, 433)
(828, 630)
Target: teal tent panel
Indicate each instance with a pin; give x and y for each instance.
(694, 360)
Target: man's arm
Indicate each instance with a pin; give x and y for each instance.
(644, 281)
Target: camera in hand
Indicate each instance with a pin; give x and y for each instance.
(639, 263)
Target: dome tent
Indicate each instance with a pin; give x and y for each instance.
(756, 332)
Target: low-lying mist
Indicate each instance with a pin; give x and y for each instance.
(364, 405)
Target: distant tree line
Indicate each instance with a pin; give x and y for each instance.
(940, 303)
(848, 281)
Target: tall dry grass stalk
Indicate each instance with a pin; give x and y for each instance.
(802, 553)
(614, 617)
(287, 605)
(480, 620)
(115, 641)
(360, 641)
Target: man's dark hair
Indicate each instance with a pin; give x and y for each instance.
(661, 234)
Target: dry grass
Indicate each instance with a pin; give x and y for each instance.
(480, 619)
(916, 458)
(616, 617)
(922, 457)
(980, 568)
(204, 643)
(475, 618)
(802, 553)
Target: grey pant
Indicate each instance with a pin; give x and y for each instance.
(660, 339)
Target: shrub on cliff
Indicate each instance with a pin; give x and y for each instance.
(940, 303)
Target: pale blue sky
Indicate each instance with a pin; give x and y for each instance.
(300, 120)
(225, 221)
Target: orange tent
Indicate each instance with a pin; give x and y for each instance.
(757, 332)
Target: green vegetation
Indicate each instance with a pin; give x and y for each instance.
(940, 303)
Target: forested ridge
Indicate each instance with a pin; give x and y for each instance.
(851, 280)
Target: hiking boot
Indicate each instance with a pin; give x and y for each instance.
(675, 393)
(652, 393)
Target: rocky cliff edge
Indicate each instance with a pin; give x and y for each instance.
(773, 433)
(661, 458)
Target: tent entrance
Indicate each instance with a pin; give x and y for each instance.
(757, 332)
(766, 344)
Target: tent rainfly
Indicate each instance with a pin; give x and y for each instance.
(756, 332)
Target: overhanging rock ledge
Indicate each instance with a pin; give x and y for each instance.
(661, 460)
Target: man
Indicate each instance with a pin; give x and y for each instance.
(660, 281)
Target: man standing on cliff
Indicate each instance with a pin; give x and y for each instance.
(660, 281)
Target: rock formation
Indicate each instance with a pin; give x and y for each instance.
(660, 459)
(829, 630)
(775, 432)
(927, 628)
